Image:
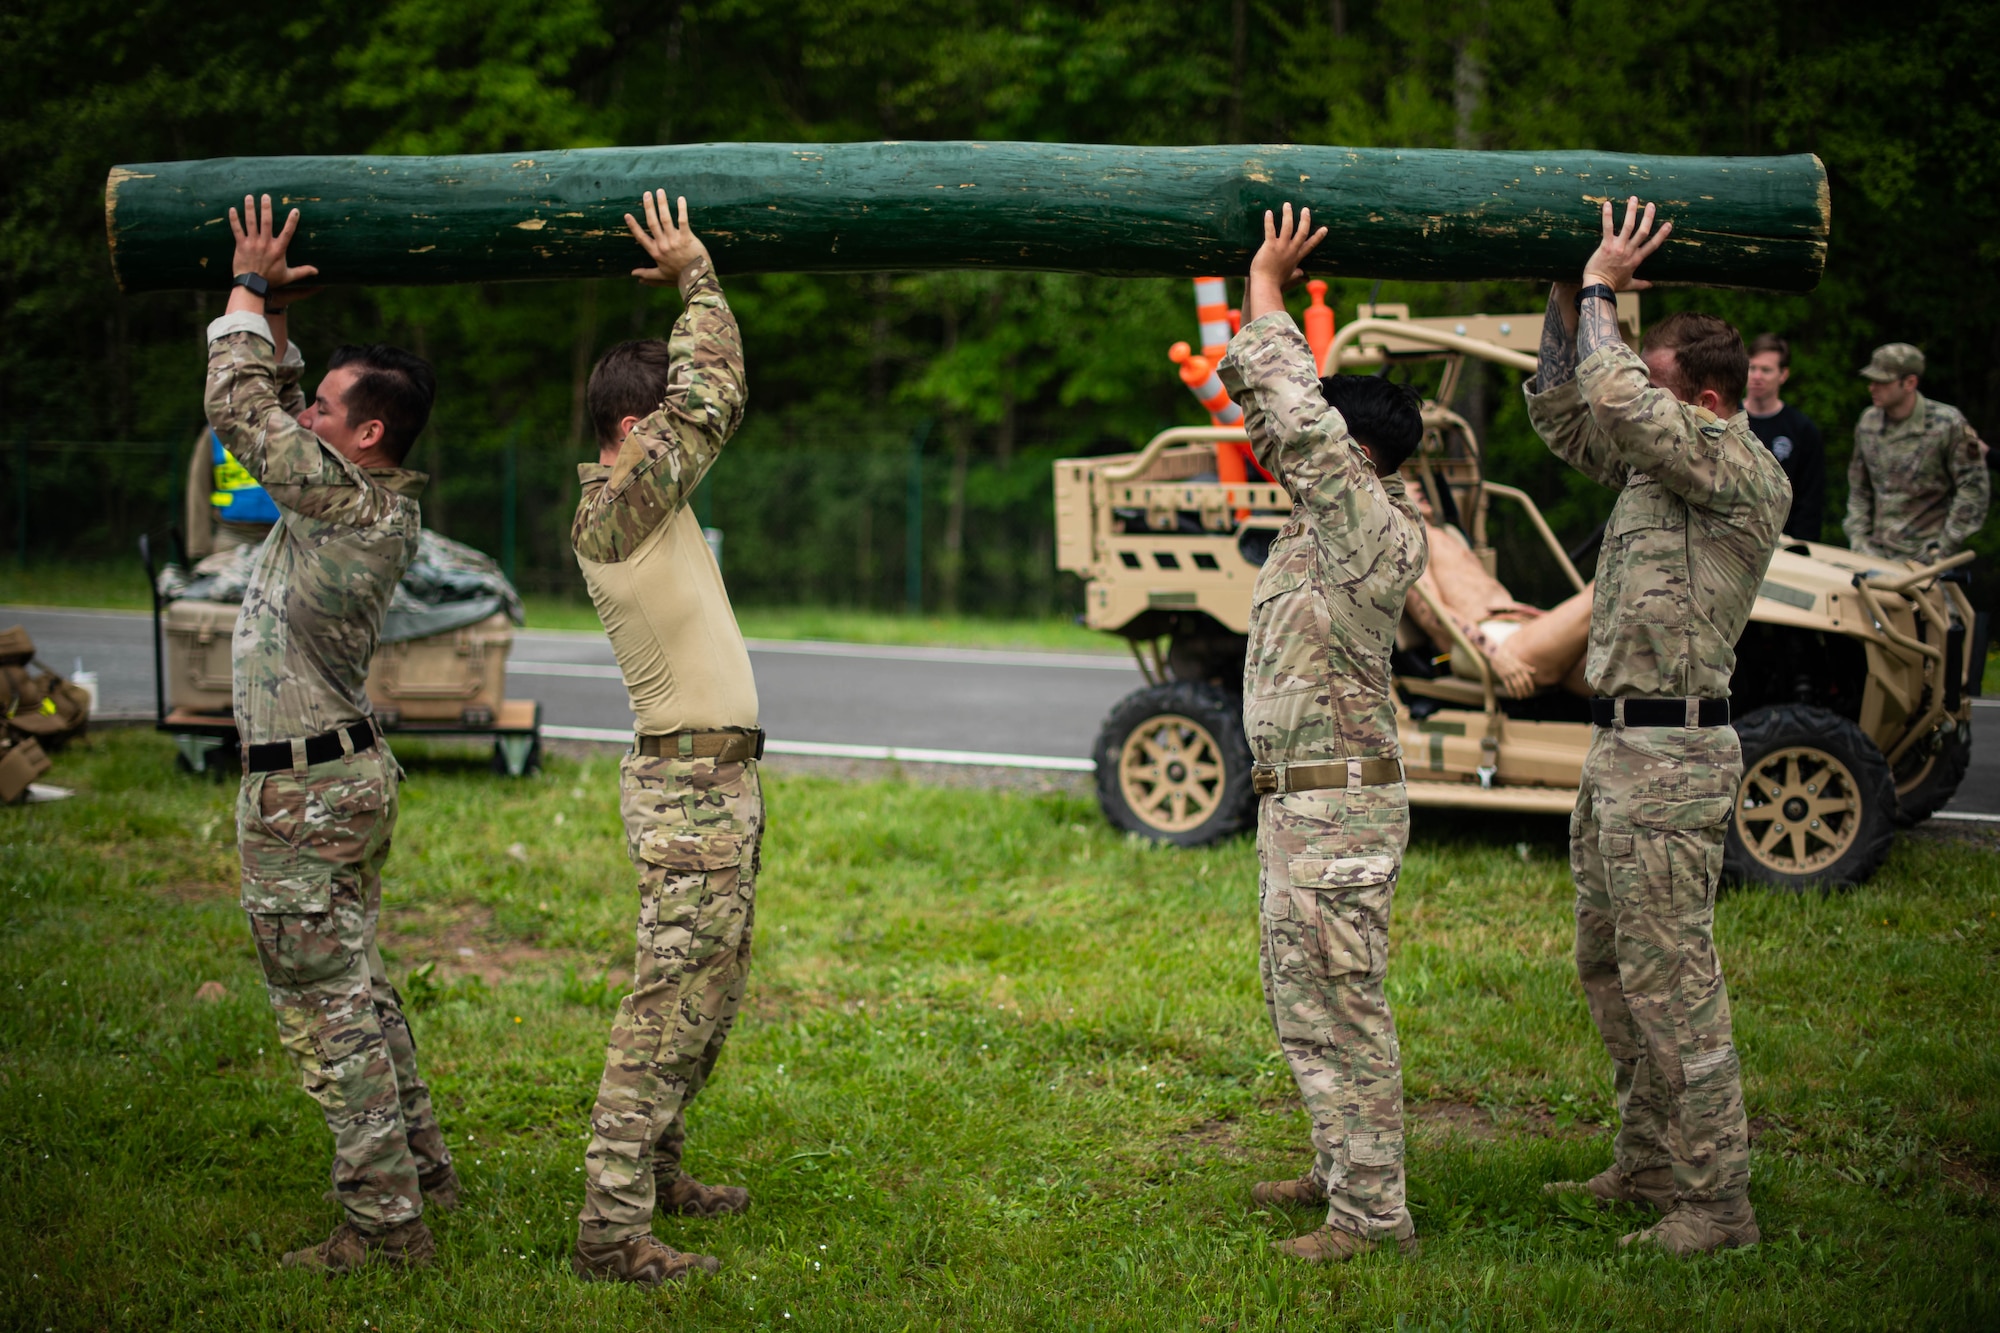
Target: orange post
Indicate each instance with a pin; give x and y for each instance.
(1319, 325)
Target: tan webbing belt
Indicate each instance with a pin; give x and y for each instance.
(727, 747)
(1335, 774)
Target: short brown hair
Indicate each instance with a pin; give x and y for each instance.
(392, 386)
(1708, 352)
(630, 380)
(1771, 342)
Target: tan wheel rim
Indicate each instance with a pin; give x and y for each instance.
(1798, 810)
(1171, 773)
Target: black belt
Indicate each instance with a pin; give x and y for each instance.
(276, 756)
(1659, 712)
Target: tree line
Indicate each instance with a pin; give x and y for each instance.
(999, 373)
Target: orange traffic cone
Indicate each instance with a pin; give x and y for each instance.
(1198, 373)
(1319, 325)
(1211, 308)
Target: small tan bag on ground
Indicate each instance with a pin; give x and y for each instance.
(36, 703)
(21, 762)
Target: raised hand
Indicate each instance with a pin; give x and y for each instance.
(1623, 249)
(1282, 256)
(1277, 263)
(672, 247)
(260, 250)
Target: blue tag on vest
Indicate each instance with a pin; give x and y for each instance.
(236, 495)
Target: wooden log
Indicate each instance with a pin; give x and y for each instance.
(1424, 214)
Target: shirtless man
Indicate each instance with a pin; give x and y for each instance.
(1529, 649)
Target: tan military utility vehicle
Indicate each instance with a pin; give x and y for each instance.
(1851, 694)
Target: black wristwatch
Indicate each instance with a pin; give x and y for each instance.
(1596, 291)
(253, 282)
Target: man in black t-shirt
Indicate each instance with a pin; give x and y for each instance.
(1788, 433)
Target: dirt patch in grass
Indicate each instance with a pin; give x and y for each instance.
(1970, 1178)
(463, 941)
(1485, 1124)
(1215, 1138)
(198, 890)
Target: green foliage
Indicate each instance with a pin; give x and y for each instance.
(1011, 369)
(999, 1067)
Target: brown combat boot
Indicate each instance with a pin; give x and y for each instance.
(1305, 1192)
(407, 1246)
(688, 1197)
(440, 1189)
(1654, 1185)
(641, 1260)
(1701, 1228)
(1333, 1245)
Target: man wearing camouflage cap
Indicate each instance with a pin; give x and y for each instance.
(1698, 515)
(1918, 486)
(318, 803)
(1333, 818)
(688, 790)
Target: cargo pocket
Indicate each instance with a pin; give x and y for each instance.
(1342, 905)
(1381, 1148)
(279, 877)
(686, 869)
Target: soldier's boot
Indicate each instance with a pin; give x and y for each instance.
(407, 1246)
(685, 1196)
(1701, 1228)
(1334, 1245)
(1305, 1192)
(440, 1188)
(1654, 1185)
(640, 1260)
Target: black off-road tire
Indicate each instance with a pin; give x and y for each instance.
(1816, 806)
(1926, 782)
(1173, 765)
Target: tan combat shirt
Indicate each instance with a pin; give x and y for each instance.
(650, 573)
(1316, 681)
(1917, 489)
(312, 612)
(1700, 507)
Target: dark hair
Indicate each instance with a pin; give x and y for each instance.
(1386, 417)
(1771, 342)
(630, 380)
(393, 387)
(1707, 351)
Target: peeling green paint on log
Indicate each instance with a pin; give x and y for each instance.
(1424, 214)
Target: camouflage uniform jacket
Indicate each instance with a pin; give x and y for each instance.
(665, 456)
(1700, 507)
(1324, 612)
(313, 610)
(1917, 489)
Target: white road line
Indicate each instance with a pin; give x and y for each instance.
(907, 754)
(1966, 817)
(967, 656)
(1986, 703)
(564, 669)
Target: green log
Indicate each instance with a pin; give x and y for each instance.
(1422, 214)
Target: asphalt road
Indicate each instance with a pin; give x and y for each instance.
(847, 700)
(1038, 710)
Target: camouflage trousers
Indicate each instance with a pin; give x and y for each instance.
(313, 842)
(692, 829)
(1646, 849)
(1327, 863)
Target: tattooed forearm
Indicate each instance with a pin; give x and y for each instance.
(1557, 364)
(1598, 326)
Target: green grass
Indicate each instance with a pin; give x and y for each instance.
(999, 1067)
(105, 587)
